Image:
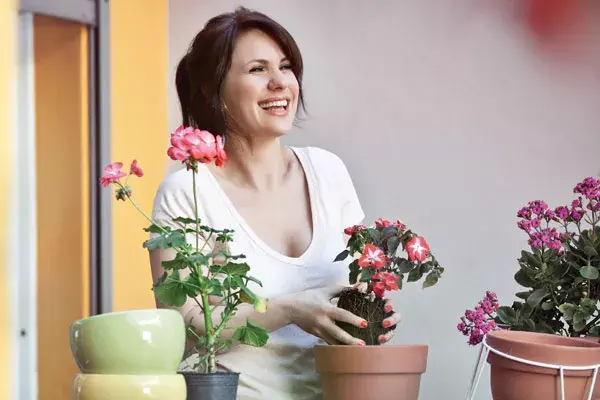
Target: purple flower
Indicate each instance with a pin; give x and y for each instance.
(535, 223)
(576, 215)
(576, 203)
(524, 212)
(550, 215)
(524, 225)
(538, 207)
(589, 188)
(562, 212)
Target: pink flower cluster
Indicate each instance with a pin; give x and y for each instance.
(478, 322)
(191, 145)
(113, 174)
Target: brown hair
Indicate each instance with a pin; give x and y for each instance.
(202, 70)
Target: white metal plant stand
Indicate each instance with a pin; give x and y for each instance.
(485, 350)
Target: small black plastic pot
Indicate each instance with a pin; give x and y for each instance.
(217, 386)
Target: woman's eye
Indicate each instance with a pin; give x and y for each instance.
(259, 68)
(286, 66)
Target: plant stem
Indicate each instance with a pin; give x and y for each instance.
(196, 208)
(210, 337)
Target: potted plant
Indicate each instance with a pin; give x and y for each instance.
(560, 272)
(378, 267)
(202, 267)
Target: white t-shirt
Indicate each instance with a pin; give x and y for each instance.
(284, 368)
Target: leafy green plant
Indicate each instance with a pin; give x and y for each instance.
(202, 267)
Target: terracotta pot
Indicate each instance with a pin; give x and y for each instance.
(355, 372)
(513, 380)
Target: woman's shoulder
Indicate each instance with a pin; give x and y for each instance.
(323, 159)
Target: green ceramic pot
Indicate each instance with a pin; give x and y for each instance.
(139, 342)
(129, 387)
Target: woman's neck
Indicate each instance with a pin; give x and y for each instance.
(255, 164)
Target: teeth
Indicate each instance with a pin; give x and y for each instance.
(278, 103)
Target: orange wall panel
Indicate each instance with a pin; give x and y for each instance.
(138, 68)
(62, 136)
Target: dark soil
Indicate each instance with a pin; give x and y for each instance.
(372, 311)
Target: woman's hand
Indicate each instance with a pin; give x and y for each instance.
(390, 322)
(313, 311)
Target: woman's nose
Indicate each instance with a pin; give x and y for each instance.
(277, 81)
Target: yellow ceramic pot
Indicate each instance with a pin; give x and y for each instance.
(128, 387)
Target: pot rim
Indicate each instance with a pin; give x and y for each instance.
(516, 337)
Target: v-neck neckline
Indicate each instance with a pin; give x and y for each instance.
(312, 194)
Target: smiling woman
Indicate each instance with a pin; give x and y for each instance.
(242, 79)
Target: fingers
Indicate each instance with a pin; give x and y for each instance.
(339, 314)
(386, 337)
(392, 320)
(331, 332)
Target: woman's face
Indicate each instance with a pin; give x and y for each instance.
(260, 91)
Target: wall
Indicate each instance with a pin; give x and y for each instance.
(8, 14)
(138, 69)
(60, 51)
(446, 118)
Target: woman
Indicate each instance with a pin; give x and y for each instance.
(242, 78)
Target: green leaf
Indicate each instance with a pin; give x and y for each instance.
(176, 239)
(507, 315)
(185, 220)
(415, 275)
(251, 334)
(523, 295)
(354, 271)
(404, 266)
(568, 310)
(230, 283)
(170, 291)
(531, 259)
(579, 321)
(342, 256)
(375, 235)
(590, 251)
(159, 242)
(253, 279)
(543, 327)
(589, 272)
(215, 288)
(536, 297)
(392, 244)
(156, 229)
(366, 274)
(199, 258)
(588, 305)
(236, 269)
(523, 279)
(547, 305)
(431, 279)
(529, 325)
(179, 262)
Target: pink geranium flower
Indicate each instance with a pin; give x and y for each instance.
(372, 256)
(112, 173)
(135, 169)
(417, 249)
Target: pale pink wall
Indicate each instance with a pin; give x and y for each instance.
(446, 119)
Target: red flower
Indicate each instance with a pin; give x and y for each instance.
(384, 281)
(417, 249)
(112, 173)
(399, 225)
(382, 223)
(135, 170)
(372, 256)
(221, 155)
(351, 229)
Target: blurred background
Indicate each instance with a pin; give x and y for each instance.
(449, 116)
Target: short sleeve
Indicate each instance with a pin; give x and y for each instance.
(352, 212)
(173, 199)
(335, 176)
